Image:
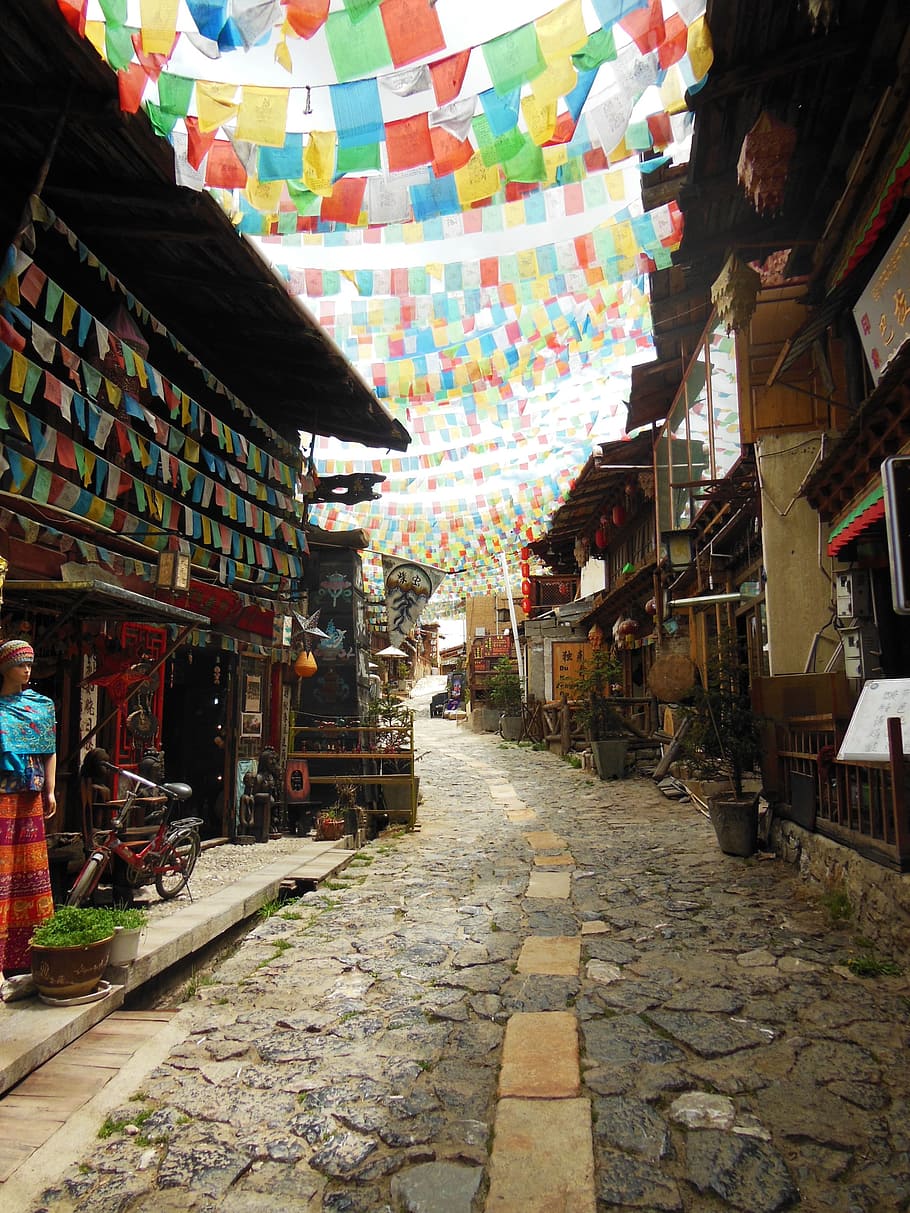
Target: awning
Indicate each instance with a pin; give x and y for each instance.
(94, 599)
(870, 509)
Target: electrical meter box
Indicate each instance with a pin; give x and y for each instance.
(853, 595)
(862, 655)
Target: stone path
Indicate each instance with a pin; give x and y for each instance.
(557, 996)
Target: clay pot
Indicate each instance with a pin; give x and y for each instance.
(70, 972)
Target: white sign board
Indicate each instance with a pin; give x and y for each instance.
(866, 739)
(882, 312)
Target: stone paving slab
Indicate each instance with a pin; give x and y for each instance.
(540, 1056)
(554, 861)
(557, 955)
(551, 885)
(545, 840)
(542, 1159)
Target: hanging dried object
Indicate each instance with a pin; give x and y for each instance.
(735, 293)
(821, 14)
(764, 161)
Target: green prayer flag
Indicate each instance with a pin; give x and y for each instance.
(175, 93)
(600, 48)
(495, 150)
(527, 164)
(52, 297)
(306, 202)
(514, 59)
(163, 123)
(357, 159)
(358, 49)
(118, 45)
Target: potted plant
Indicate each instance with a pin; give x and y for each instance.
(330, 825)
(128, 924)
(71, 950)
(602, 722)
(505, 695)
(722, 743)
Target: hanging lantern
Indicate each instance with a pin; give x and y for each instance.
(525, 568)
(619, 515)
(526, 587)
(651, 606)
(526, 554)
(305, 665)
(602, 534)
(526, 605)
(735, 293)
(764, 162)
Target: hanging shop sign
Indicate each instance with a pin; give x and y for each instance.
(408, 589)
(882, 312)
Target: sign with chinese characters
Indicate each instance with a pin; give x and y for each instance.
(567, 658)
(882, 312)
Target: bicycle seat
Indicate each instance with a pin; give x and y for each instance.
(178, 791)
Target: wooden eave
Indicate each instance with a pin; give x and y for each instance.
(110, 179)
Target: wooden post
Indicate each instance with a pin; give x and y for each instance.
(565, 731)
(898, 788)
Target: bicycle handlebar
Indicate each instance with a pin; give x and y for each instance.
(140, 780)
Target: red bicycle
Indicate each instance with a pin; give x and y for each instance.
(168, 858)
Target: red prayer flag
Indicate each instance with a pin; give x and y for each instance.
(412, 30)
(449, 153)
(563, 131)
(673, 46)
(408, 143)
(305, 17)
(74, 14)
(660, 128)
(153, 64)
(489, 271)
(574, 198)
(198, 142)
(645, 26)
(345, 202)
(223, 170)
(448, 76)
(131, 83)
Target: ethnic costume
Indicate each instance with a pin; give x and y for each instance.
(27, 736)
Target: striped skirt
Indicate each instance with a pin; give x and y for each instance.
(25, 883)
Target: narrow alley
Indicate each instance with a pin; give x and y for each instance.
(558, 994)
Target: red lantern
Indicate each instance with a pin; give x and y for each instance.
(526, 605)
(525, 568)
(651, 606)
(526, 588)
(619, 515)
(526, 554)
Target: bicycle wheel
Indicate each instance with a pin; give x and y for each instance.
(176, 865)
(87, 880)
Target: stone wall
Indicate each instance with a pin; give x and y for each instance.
(879, 896)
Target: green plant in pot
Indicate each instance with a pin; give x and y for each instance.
(601, 720)
(71, 950)
(129, 923)
(504, 689)
(722, 745)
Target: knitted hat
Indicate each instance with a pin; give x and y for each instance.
(15, 652)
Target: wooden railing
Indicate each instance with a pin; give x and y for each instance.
(862, 805)
(558, 721)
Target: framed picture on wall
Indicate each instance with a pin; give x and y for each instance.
(251, 724)
(252, 694)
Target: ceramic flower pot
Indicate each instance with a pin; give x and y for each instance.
(70, 972)
(125, 945)
(610, 757)
(329, 830)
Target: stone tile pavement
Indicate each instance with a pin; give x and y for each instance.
(558, 995)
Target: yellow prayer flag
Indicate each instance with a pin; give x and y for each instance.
(619, 154)
(513, 213)
(144, 457)
(264, 195)
(412, 232)
(475, 181)
(206, 530)
(673, 91)
(141, 373)
(553, 159)
(17, 372)
(96, 509)
(562, 31)
(616, 185)
(191, 450)
(215, 104)
(88, 464)
(185, 412)
(527, 264)
(541, 288)
(700, 48)
(540, 117)
(69, 311)
(319, 162)
(94, 33)
(558, 79)
(159, 25)
(263, 115)
(114, 393)
(624, 242)
(21, 419)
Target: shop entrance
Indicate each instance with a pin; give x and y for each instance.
(194, 734)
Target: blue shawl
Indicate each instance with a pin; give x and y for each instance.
(28, 726)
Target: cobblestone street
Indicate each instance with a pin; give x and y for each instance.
(557, 995)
